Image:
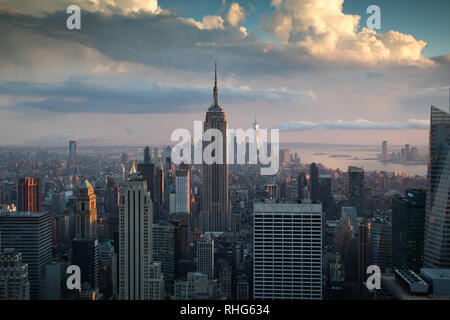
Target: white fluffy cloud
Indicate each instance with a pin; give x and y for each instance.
(235, 15)
(209, 22)
(322, 29)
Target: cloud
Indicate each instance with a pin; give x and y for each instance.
(88, 96)
(208, 22)
(359, 124)
(235, 15)
(42, 7)
(324, 31)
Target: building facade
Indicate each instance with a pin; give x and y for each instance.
(356, 189)
(215, 213)
(408, 227)
(437, 219)
(287, 250)
(86, 212)
(29, 233)
(14, 284)
(135, 239)
(29, 197)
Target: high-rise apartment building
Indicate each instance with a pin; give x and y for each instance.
(287, 242)
(29, 197)
(437, 218)
(215, 213)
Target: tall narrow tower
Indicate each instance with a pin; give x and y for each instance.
(29, 194)
(135, 239)
(86, 213)
(437, 216)
(215, 215)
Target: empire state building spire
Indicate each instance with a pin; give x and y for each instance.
(215, 102)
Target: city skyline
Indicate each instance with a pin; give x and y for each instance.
(337, 188)
(317, 86)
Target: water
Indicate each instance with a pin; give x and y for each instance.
(344, 157)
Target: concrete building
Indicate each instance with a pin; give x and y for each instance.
(437, 219)
(86, 212)
(205, 256)
(135, 239)
(287, 250)
(197, 286)
(183, 190)
(216, 208)
(14, 284)
(408, 227)
(29, 233)
(356, 189)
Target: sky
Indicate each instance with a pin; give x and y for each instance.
(139, 69)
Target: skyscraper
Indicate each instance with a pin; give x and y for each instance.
(215, 215)
(205, 256)
(86, 212)
(72, 151)
(381, 238)
(29, 233)
(86, 255)
(408, 224)
(165, 251)
(29, 194)
(147, 155)
(356, 189)
(287, 242)
(147, 170)
(135, 239)
(183, 190)
(326, 197)
(314, 181)
(385, 151)
(437, 218)
(159, 189)
(302, 182)
(364, 252)
(256, 138)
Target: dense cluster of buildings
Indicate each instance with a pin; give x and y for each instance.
(140, 227)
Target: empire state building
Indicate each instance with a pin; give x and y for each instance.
(215, 213)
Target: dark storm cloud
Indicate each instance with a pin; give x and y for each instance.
(84, 95)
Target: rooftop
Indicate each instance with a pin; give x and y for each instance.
(23, 214)
(86, 185)
(437, 273)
